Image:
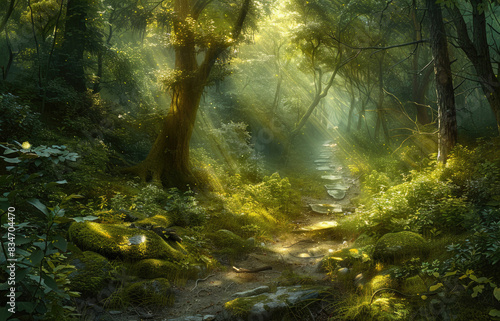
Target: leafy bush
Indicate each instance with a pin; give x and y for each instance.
(17, 121)
(183, 208)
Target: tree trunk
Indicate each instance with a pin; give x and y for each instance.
(167, 163)
(73, 45)
(447, 134)
(477, 51)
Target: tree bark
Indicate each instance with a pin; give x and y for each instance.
(73, 45)
(477, 51)
(447, 133)
(167, 163)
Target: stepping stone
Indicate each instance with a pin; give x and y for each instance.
(320, 226)
(324, 168)
(322, 161)
(339, 186)
(337, 194)
(332, 177)
(326, 208)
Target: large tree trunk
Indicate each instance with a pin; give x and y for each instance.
(447, 135)
(73, 45)
(167, 163)
(477, 50)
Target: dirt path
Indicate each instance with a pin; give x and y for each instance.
(299, 252)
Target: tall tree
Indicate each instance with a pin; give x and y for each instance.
(447, 135)
(168, 161)
(477, 50)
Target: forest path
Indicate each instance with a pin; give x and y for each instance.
(294, 256)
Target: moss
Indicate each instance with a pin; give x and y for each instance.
(230, 243)
(414, 285)
(154, 221)
(382, 281)
(242, 306)
(91, 275)
(154, 268)
(155, 293)
(397, 246)
(119, 241)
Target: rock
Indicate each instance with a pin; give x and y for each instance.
(119, 241)
(154, 221)
(256, 291)
(320, 226)
(326, 208)
(332, 177)
(401, 245)
(345, 258)
(155, 268)
(191, 318)
(337, 194)
(91, 274)
(272, 305)
(209, 317)
(230, 244)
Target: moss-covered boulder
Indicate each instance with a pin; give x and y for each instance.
(154, 268)
(286, 303)
(401, 245)
(230, 244)
(91, 274)
(154, 221)
(119, 241)
(345, 258)
(154, 293)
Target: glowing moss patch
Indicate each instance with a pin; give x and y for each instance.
(114, 241)
(157, 220)
(397, 246)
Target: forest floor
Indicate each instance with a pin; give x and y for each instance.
(294, 257)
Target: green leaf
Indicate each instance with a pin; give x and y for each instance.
(450, 273)
(36, 257)
(477, 289)
(50, 282)
(36, 203)
(38, 162)
(60, 243)
(62, 182)
(494, 313)
(12, 160)
(9, 151)
(436, 274)
(496, 293)
(435, 287)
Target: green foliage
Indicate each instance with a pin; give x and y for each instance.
(183, 208)
(17, 121)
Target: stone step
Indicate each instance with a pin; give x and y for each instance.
(324, 225)
(337, 194)
(338, 185)
(332, 177)
(326, 208)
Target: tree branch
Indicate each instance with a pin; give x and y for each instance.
(380, 48)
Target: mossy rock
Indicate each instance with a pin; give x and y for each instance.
(414, 285)
(154, 293)
(91, 275)
(154, 268)
(229, 243)
(154, 221)
(401, 245)
(345, 258)
(119, 241)
(363, 240)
